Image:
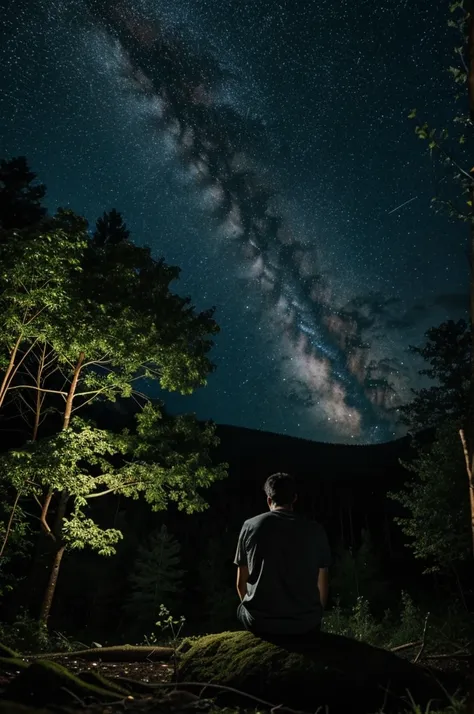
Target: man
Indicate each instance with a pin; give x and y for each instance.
(282, 566)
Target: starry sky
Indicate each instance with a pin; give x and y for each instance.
(262, 147)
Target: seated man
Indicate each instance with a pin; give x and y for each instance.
(282, 567)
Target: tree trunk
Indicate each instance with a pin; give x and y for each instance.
(57, 558)
(51, 587)
(72, 391)
(39, 395)
(62, 506)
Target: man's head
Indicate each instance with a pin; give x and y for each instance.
(281, 491)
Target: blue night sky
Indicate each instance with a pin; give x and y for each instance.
(262, 147)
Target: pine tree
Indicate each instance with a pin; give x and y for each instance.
(156, 578)
(20, 196)
(110, 229)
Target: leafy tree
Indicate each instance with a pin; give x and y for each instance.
(89, 319)
(447, 350)
(437, 521)
(156, 578)
(37, 271)
(452, 149)
(20, 195)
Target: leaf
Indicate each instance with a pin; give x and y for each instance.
(412, 114)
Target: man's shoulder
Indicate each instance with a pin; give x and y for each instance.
(255, 521)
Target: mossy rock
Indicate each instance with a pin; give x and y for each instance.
(12, 664)
(330, 671)
(6, 651)
(44, 682)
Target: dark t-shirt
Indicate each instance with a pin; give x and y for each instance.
(284, 553)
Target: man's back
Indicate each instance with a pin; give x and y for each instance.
(284, 553)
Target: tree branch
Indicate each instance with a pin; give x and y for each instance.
(112, 490)
(40, 389)
(44, 513)
(423, 640)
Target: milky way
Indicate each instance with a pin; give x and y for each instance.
(290, 206)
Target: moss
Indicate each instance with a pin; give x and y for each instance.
(12, 664)
(330, 671)
(45, 682)
(104, 683)
(6, 651)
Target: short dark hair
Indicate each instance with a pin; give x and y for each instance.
(281, 488)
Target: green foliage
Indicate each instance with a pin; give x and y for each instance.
(172, 460)
(85, 319)
(409, 623)
(168, 622)
(155, 581)
(403, 625)
(63, 463)
(437, 502)
(26, 634)
(356, 622)
(36, 271)
(448, 147)
(447, 352)
(163, 463)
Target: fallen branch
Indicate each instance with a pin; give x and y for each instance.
(407, 646)
(423, 640)
(460, 654)
(118, 653)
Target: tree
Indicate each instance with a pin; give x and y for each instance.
(37, 270)
(20, 196)
(111, 229)
(101, 315)
(82, 462)
(452, 149)
(447, 350)
(156, 578)
(437, 522)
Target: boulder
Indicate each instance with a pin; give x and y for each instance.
(330, 671)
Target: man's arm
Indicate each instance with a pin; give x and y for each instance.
(323, 586)
(242, 577)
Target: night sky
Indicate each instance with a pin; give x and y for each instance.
(261, 146)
